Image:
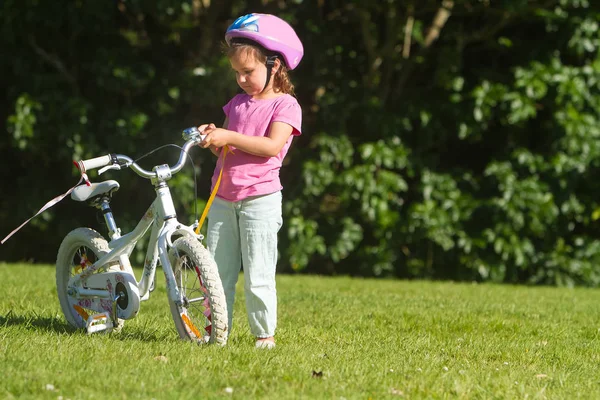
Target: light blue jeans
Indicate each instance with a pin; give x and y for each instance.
(244, 233)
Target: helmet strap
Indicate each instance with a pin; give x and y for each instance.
(270, 64)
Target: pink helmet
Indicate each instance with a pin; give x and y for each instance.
(270, 32)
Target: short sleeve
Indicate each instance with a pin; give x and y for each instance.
(227, 107)
(290, 113)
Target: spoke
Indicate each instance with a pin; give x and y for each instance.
(197, 313)
(184, 272)
(196, 300)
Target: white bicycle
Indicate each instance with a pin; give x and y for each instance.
(96, 285)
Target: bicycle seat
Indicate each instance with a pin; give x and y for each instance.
(84, 192)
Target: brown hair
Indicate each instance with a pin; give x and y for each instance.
(281, 79)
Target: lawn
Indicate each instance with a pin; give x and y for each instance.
(338, 338)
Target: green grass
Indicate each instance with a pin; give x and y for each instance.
(338, 338)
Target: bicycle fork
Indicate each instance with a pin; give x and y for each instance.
(170, 227)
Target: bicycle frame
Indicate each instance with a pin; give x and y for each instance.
(163, 229)
(161, 215)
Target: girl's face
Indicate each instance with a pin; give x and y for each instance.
(250, 73)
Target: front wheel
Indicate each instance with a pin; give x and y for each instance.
(202, 314)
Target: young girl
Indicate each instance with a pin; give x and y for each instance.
(245, 216)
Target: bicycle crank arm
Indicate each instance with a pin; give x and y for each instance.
(118, 287)
(82, 293)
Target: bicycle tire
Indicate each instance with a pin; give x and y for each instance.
(81, 246)
(202, 316)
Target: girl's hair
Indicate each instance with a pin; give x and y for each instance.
(281, 79)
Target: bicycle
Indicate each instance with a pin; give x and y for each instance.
(96, 285)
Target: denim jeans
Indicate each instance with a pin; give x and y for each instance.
(244, 233)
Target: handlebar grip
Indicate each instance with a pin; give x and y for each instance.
(97, 162)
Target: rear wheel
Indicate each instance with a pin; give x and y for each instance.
(202, 316)
(80, 249)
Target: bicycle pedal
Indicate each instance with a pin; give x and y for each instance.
(99, 323)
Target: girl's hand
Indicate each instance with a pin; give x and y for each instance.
(217, 137)
(203, 127)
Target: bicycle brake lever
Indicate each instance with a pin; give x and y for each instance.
(104, 169)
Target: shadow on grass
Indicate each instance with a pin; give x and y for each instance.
(37, 322)
(141, 335)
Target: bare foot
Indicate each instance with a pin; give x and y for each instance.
(265, 343)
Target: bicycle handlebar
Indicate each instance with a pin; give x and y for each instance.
(97, 162)
(117, 161)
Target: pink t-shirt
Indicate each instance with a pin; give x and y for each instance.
(245, 174)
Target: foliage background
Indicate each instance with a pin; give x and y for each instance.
(441, 139)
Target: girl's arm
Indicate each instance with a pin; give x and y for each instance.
(263, 146)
